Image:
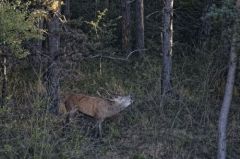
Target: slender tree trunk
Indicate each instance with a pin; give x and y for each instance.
(53, 67)
(67, 12)
(96, 7)
(222, 125)
(140, 26)
(206, 24)
(4, 81)
(167, 43)
(223, 118)
(125, 25)
(106, 4)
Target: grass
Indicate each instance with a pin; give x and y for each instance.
(185, 127)
(142, 131)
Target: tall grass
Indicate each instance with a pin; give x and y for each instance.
(184, 127)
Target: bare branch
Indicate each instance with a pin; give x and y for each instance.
(149, 15)
(117, 58)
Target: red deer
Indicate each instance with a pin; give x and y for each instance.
(95, 107)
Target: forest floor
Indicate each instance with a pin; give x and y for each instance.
(147, 130)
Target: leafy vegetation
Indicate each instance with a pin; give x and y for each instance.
(16, 27)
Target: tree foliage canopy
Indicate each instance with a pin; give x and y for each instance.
(16, 26)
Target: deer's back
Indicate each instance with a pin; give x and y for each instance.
(92, 106)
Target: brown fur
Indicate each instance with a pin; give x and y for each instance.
(95, 107)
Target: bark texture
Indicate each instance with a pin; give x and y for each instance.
(4, 81)
(167, 43)
(205, 29)
(36, 58)
(223, 118)
(53, 66)
(67, 12)
(125, 25)
(106, 4)
(140, 26)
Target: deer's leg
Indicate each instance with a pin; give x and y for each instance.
(68, 118)
(99, 122)
(70, 115)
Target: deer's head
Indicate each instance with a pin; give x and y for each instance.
(124, 101)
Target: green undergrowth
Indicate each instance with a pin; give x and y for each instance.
(184, 126)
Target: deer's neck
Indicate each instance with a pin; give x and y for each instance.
(115, 108)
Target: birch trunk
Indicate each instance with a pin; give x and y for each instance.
(223, 118)
(167, 43)
(4, 81)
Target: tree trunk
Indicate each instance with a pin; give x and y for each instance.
(106, 4)
(96, 7)
(223, 118)
(206, 23)
(140, 26)
(167, 43)
(53, 66)
(125, 25)
(36, 59)
(67, 12)
(4, 81)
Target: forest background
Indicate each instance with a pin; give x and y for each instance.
(102, 47)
